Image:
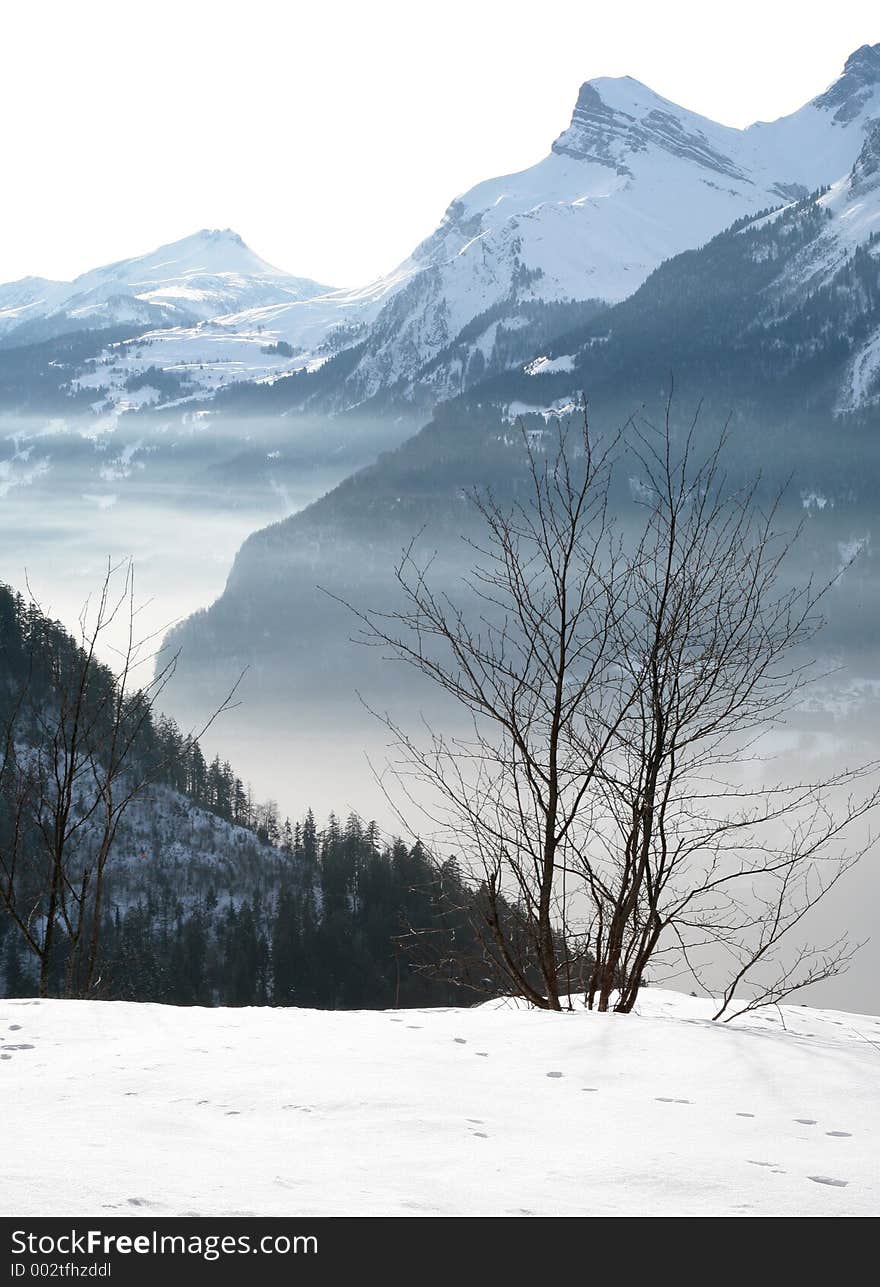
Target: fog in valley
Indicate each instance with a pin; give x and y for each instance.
(306, 729)
(177, 496)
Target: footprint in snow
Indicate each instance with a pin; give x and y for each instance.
(826, 1179)
(21, 1046)
(480, 1135)
(773, 1167)
(476, 1121)
(5, 1056)
(667, 1099)
(460, 1041)
(233, 1112)
(840, 1135)
(554, 1074)
(745, 1114)
(484, 1054)
(15, 1027)
(414, 1027)
(806, 1121)
(138, 1202)
(397, 1021)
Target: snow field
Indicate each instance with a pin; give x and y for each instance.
(122, 1108)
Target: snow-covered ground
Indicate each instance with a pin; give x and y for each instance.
(119, 1108)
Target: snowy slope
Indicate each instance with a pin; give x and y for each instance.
(193, 845)
(796, 289)
(31, 297)
(491, 1110)
(852, 206)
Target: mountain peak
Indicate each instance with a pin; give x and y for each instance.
(864, 64)
(857, 83)
(208, 251)
(616, 118)
(226, 235)
(606, 107)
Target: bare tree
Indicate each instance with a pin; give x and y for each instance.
(534, 665)
(685, 858)
(76, 754)
(617, 679)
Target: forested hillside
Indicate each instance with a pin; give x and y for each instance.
(207, 897)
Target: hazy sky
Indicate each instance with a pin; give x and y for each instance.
(333, 135)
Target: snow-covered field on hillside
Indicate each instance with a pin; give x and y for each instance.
(117, 1108)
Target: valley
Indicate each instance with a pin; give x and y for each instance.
(264, 446)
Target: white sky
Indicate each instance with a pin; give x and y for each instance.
(332, 135)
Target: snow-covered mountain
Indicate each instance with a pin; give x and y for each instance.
(784, 307)
(632, 181)
(206, 275)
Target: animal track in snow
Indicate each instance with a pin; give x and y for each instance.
(806, 1121)
(827, 1179)
(554, 1074)
(667, 1099)
(461, 1041)
(840, 1135)
(745, 1114)
(484, 1054)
